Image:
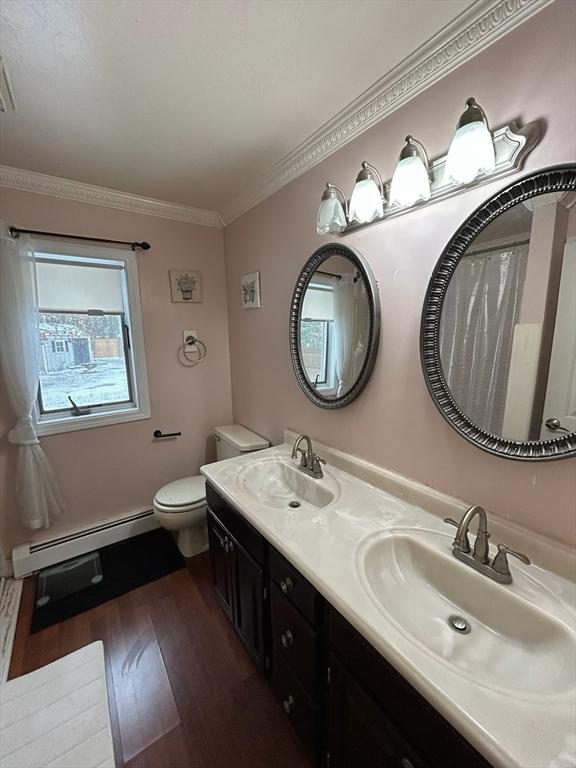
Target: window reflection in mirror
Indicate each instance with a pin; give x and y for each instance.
(334, 326)
(508, 323)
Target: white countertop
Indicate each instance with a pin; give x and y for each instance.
(512, 730)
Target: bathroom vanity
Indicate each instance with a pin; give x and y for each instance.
(347, 704)
(342, 588)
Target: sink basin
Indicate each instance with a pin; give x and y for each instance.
(276, 483)
(512, 645)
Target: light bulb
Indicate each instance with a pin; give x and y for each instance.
(366, 203)
(472, 149)
(331, 217)
(410, 182)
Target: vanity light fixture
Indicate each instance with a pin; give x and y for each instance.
(367, 201)
(332, 215)
(410, 182)
(472, 149)
(476, 156)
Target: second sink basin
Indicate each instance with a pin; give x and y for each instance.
(508, 644)
(274, 482)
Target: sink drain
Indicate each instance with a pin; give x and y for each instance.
(460, 624)
(294, 504)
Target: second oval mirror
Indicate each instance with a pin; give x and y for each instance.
(334, 326)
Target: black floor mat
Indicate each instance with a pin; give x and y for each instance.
(125, 566)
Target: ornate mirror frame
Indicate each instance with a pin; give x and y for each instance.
(556, 179)
(362, 266)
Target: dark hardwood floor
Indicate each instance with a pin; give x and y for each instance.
(183, 692)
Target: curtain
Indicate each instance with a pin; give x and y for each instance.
(36, 485)
(361, 329)
(480, 311)
(344, 331)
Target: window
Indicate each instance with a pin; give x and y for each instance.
(92, 366)
(317, 334)
(314, 338)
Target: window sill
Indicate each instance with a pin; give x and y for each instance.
(58, 426)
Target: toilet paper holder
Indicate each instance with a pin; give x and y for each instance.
(158, 434)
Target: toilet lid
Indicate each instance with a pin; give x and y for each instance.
(182, 493)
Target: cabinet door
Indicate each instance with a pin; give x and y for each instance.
(358, 732)
(220, 556)
(248, 581)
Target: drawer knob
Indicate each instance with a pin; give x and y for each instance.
(287, 639)
(289, 704)
(287, 585)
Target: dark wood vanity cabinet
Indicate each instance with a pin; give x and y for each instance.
(358, 732)
(239, 577)
(374, 717)
(347, 704)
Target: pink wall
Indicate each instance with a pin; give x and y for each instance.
(394, 423)
(113, 470)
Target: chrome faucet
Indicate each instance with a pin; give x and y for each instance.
(310, 463)
(499, 569)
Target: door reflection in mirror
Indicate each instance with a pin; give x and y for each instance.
(508, 323)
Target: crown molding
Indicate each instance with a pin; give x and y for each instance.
(470, 33)
(39, 183)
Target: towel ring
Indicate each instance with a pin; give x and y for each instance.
(184, 352)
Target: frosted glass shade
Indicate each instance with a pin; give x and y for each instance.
(366, 202)
(331, 217)
(410, 182)
(471, 152)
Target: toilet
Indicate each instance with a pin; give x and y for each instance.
(180, 506)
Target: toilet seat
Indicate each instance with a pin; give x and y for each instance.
(182, 495)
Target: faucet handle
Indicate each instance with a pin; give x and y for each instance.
(500, 563)
(461, 542)
(317, 468)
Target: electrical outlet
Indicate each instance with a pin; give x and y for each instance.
(186, 334)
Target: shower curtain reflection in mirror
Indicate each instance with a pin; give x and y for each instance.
(480, 312)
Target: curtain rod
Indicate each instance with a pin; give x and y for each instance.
(16, 232)
(501, 247)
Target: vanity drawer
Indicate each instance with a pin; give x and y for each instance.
(299, 708)
(294, 586)
(236, 524)
(295, 640)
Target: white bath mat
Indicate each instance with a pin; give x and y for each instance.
(58, 715)
(10, 593)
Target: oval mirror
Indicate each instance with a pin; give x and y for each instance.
(498, 337)
(334, 326)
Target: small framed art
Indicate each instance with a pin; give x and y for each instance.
(185, 286)
(250, 290)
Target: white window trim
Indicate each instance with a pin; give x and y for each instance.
(46, 424)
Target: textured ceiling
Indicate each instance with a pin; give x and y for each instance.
(190, 101)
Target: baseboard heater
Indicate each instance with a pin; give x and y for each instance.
(28, 558)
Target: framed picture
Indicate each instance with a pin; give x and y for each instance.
(185, 285)
(250, 290)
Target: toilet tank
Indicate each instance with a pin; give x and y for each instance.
(234, 440)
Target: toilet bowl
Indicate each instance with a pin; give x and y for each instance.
(181, 507)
